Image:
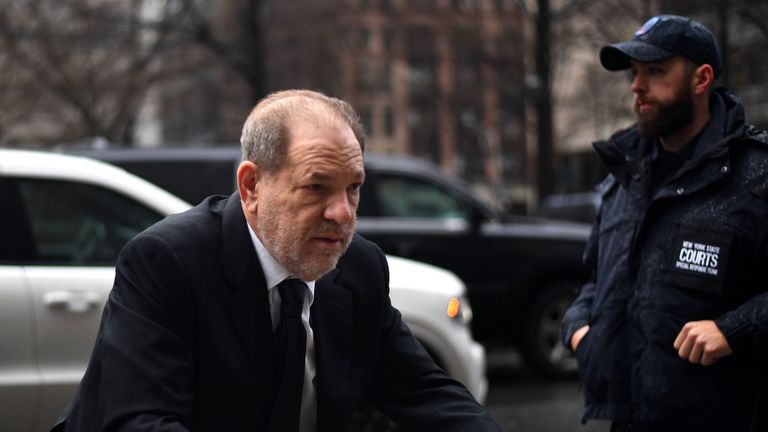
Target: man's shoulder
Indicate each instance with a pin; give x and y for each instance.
(749, 156)
(363, 257)
(752, 147)
(622, 143)
(197, 223)
(362, 249)
(757, 135)
(361, 244)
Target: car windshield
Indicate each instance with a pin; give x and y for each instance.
(410, 197)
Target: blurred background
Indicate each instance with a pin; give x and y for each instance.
(507, 94)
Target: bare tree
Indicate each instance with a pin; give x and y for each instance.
(83, 66)
(232, 31)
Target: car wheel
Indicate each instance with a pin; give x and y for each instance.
(541, 346)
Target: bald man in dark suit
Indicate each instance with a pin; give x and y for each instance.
(189, 337)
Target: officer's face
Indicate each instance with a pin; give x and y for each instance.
(663, 95)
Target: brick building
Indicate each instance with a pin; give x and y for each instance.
(438, 79)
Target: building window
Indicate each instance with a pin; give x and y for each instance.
(389, 122)
(385, 76)
(387, 41)
(366, 119)
(365, 38)
(365, 76)
(420, 75)
(421, 60)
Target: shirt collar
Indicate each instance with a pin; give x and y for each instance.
(274, 272)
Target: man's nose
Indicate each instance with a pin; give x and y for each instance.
(340, 209)
(638, 84)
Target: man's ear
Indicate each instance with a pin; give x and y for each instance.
(248, 177)
(703, 79)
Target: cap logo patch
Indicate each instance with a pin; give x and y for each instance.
(647, 26)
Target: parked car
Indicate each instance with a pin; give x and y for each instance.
(575, 206)
(62, 223)
(191, 174)
(521, 272)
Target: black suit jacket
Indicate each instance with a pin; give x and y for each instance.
(185, 341)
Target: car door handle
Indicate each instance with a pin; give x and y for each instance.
(72, 301)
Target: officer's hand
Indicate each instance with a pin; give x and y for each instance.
(702, 342)
(577, 336)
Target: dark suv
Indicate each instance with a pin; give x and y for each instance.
(521, 273)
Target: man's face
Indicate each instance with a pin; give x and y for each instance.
(306, 211)
(663, 96)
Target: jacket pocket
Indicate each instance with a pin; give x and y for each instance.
(603, 367)
(699, 257)
(581, 348)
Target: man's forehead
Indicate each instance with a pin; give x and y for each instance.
(314, 156)
(329, 172)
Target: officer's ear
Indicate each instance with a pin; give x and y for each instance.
(702, 79)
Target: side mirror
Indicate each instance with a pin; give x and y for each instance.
(476, 219)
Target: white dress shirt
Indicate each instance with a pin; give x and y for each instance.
(275, 273)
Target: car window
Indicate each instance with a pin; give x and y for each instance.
(401, 196)
(72, 223)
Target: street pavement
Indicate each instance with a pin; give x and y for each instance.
(520, 400)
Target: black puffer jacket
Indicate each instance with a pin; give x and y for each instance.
(695, 250)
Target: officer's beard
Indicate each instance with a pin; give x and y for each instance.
(669, 117)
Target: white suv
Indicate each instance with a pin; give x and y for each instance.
(63, 220)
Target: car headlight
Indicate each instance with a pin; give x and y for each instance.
(458, 309)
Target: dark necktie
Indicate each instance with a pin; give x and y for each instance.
(291, 343)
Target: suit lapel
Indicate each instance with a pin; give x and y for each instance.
(331, 320)
(249, 305)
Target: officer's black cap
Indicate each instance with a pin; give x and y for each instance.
(662, 37)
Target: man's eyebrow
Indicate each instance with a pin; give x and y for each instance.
(315, 175)
(321, 176)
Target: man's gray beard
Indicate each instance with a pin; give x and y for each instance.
(315, 273)
(275, 241)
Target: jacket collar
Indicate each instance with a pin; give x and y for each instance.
(628, 156)
(249, 304)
